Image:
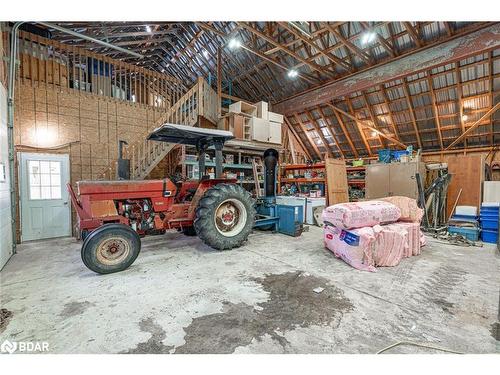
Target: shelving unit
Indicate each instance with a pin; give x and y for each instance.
(299, 169)
(242, 169)
(355, 177)
(356, 182)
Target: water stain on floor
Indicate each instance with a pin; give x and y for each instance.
(5, 316)
(292, 303)
(154, 344)
(74, 308)
(495, 331)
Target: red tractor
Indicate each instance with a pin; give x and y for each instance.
(113, 215)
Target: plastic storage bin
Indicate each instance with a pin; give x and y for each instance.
(465, 217)
(490, 236)
(489, 222)
(471, 234)
(384, 156)
(396, 155)
(466, 210)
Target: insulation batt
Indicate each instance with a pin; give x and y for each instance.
(408, 207)
(361, 214)
(376, 246)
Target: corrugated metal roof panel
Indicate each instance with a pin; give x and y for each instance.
(404, 42)
(446, 94)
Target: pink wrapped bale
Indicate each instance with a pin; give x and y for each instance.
(408, 207)
(377, 246)
(353, 247)
(413, 237)
(361, 214)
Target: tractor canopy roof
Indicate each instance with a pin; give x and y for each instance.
(189, 135)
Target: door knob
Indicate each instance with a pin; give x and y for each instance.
(65, 202)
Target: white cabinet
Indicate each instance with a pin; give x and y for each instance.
(262, 110)
(259, 129)
(265, 131)
(274, 132)
(275, 117)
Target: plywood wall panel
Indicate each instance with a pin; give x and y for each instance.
(90, 125)
(468, 175)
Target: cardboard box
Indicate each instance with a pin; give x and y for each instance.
(262, 110)
(275, 117)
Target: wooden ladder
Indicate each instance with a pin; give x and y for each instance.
(258, 176)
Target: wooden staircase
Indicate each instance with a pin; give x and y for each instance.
(198, 102)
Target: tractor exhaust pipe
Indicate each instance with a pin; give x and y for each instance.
(270, 170)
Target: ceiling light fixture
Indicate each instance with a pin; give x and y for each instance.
(368, 37)
(148, 28)
(205, 53)
(465, 118)
(234, 44)
(292, 73)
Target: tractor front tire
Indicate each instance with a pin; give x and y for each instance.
(111, 248)
(225, 216)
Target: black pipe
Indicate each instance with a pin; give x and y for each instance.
(270, 167)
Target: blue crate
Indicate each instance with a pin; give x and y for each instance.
(471, 234)
(384, 156)
(490, 236)
(396, 154)
(489, 223)
(490, 210)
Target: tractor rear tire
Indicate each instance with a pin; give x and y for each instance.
(111, 248)
(225, 216)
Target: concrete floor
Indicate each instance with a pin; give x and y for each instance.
(183, 297)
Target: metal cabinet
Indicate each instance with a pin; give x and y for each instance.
(383, 180)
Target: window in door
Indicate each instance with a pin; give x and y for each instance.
(44, 179)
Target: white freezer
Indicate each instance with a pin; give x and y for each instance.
(311, 203)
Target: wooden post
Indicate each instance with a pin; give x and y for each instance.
(219, 83)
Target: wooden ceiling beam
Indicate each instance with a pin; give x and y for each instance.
(358, 52)
(391, 116)
(413, 33)
(299, 140)
(320, 133)
(344, 130)
(260, 34)
(380, 39)
(373, 118)
(311, 44)
(411, 110)
(258, 53)
(334, 136)
(359, 124)
(430, 83)
(308, 136)
(479, 39)
(402, 145)
(474, 126)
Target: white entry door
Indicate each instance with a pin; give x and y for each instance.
(45, 210)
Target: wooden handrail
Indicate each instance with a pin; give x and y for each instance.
(54, 63)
